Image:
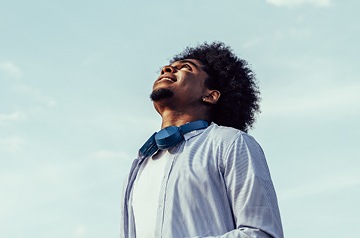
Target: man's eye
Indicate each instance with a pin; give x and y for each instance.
(186, 66)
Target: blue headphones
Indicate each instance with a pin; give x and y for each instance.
(170, 136)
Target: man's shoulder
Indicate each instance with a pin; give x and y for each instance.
(227, 134)
(224, 131)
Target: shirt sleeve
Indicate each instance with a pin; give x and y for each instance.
(250, 191)
(122, 213)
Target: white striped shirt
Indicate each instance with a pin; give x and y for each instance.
(216, 184)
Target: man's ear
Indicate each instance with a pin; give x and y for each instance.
(212, 96)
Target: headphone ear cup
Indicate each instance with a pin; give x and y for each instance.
(150, 146)
(168, 137)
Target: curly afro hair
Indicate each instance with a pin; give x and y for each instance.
(240, 96)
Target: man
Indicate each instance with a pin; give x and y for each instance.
(202, 175)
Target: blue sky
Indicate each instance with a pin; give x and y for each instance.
(75, 78)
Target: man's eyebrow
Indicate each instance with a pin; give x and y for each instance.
(188, 61)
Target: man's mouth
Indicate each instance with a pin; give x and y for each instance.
(167, 79)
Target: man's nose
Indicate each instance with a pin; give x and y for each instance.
(167, 69)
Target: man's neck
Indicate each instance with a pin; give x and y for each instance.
(175, 118)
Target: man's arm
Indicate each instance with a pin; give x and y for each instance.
(250, 191)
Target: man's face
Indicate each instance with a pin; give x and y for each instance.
(182, 82)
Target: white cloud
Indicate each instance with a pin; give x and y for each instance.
(11, 69)
(80, 231)
(35, 94)
(11, 116)
(295, 3)
(51, 174)
(11, 144)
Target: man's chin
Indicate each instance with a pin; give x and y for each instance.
(161, 93)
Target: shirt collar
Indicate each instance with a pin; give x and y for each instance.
(194, 133)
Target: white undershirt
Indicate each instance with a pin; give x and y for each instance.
(146, 194)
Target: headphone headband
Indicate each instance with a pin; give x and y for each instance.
(169, 137)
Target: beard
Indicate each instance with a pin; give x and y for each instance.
(161, 93)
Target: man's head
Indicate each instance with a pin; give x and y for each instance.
(230, 91)
(181, 86)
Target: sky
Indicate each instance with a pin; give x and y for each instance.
(75, 79)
